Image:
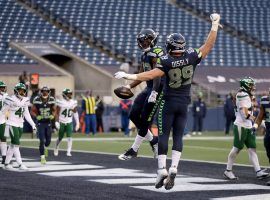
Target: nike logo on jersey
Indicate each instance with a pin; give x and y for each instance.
(180, 63)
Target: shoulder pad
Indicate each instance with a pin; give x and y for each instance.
(37, 100)
(51, 100)
(241, 95)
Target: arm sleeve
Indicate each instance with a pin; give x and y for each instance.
(28, 117)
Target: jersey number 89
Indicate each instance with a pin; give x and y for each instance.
(177, 75)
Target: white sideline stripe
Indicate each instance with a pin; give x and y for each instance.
(38, 164)
(62, 167)
(131, 139)
(246, 197)
(141, 156)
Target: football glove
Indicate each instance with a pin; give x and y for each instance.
(51, 117)
(77, 127)
(153, 97)
(119, 75)
(39, 117)
(34, 129)
(215, 18)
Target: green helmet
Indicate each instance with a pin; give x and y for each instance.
(3, 85)
(65, 93)
(247, 84)
(20, 86)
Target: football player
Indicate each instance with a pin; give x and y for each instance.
(264, 114)
(44, 111)
(17, 107)
(178, 65)
(242, 129)
(3, 139)
(146, 103)
(65, 110)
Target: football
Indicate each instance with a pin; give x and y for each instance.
(123, 92)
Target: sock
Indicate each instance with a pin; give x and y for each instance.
(162, 161)
(3, 148)
(42, 156)
(175, 158)
(137, 143)
(69, 144)
(149, 135)
(10, 153)
(253, 158)
(17, 155)
(231, 158)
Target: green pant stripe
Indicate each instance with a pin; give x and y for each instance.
(15, 134)
(155, 107)
(160, 132)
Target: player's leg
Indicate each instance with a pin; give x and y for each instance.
(48, 137)
(200, 125)
(41, 135)
(3, 143)
(61, 133)
(69, 129)
(238, 145)
(266, 141)
(253, 158)
(10, 151)
(165, 121)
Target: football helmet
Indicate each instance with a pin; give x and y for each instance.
(175, 43)
(67, 93)
(20, 90)
(247, 84)
(45, 92)
(3, 88)
(146, 39)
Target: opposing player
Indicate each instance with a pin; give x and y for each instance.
(242, 129)
(17, 107)
(44, 110)
(178, 66)
(3, 139)
(65, 110)
(146, 103)
(264, 114)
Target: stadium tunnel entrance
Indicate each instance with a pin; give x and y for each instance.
(58, 59)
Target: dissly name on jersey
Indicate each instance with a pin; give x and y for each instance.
(180, 63)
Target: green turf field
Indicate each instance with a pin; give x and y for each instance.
(212, 146)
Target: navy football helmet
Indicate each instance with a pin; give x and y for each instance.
(146, 39)
(175, 43)
(45, 92)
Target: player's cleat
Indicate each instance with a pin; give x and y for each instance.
(46, 152)
(169, 181)
(261, 174)
(128, 155)
(228, 174)
(8, 167)
(162, 174)
(42, 160)
(69, 154)
(199, 133)
(55, 152)
(154, 146)
(23, 167)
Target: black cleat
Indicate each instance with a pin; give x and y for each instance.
(128, 155)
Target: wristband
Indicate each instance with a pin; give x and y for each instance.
(214, 27)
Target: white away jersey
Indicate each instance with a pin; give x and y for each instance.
(243, 100)
(17, 109)
(66, 110)
(2, 113)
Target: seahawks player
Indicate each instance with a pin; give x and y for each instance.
(44, 110)
(243, 134)
(146, 103)
(65, 110)
(17, 107)
(264, 114)
(3, 139)
(178, 66)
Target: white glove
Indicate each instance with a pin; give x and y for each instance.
(34, 129)
(153, 97)
(215, 18)
(57, 125)
(119, 75)
(77, 127)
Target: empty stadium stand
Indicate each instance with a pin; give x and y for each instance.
(20, 25)
(118, 22)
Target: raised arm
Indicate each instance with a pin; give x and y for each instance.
(211, 39)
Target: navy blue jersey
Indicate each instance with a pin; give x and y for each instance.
(266, 107)
(179, 73)
(44, 109)
(147, 58)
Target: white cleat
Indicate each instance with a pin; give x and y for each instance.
(169, 182)
(23, 167)
(69, 154)
(162, 174)
(261, 174)
(229, 175)
(55, 152)
(193, 133)
(8, 167)
(199, 133)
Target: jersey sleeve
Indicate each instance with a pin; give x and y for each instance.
(243, 100)
(75, 104)
(159, 64)
(196, 55)
(51, 101)
(9, 101)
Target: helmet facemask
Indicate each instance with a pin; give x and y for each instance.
(3, 90)
(147, 39)
(45, 92)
